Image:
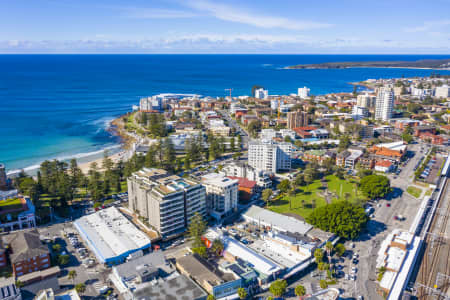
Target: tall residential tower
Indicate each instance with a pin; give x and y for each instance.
(384, 104)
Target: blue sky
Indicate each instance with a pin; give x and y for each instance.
(214, 26)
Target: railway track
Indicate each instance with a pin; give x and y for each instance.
(436, 259)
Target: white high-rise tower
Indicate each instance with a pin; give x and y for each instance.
(384, 104)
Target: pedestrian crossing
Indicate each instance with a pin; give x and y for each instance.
(98, 285)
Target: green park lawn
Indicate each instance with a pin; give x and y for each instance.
(311, 196)
(414, 191)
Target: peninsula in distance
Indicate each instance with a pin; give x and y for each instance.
(443, 64)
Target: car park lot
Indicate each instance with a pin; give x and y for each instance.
(82, 261)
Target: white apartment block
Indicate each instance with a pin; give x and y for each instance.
(167, 201)
(269, 156)
(442, 91)
(221, 194)
(240, 169)
(303, 92)
(359, 112)
(366, 100)
(261, 93)
(384, 104)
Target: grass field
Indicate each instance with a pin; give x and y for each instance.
(311, 196)
(414, 191)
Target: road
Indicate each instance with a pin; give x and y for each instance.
(238, 128)
(380, 226)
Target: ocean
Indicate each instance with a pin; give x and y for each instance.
(59, 106)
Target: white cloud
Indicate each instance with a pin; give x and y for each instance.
(427, 26)
(232, 14)
(218, 43)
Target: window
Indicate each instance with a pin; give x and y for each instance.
(19, 268)
(44, 260)
(44, 255)
(45, 266)
(20, 273)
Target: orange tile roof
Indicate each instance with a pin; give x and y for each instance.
(305, 128)
(387, 152)
(384, 163)
(244, 182)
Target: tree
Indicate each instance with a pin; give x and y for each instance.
(329, 246)
(318, 255)
(323, 284)
(56, 247)
(406, 137)
(278, 287)
(72, 275)
(217, 246)
(344, 143)
(19, 284)
(232, 144)
(299, 180)
(266, 194)
(300, 290)
(63, 260)
(352, 218)
(284, 185)
(80, 288)
(242, 293)
(196, 229)
(340, 249)
(375, 186)
(254, 127)
(211, 297)
(201, 251)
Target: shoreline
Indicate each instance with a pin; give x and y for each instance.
(116, 152)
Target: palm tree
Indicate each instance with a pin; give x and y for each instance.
(72, 275)
(242, 293)
(329, 246)
(300, 290)
(80, 288)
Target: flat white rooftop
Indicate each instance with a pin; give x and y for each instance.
(398, 146)
(218, 180)
(280, 254)
(111, 233)
(276, 221)
(237, 249)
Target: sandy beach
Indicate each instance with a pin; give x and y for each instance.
(114, 157)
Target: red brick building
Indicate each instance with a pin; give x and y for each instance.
(246, 187)
(26, 252)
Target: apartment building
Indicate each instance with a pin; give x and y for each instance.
(269, 156)
(261, 93)
(297, 119)
(366, 100)
(303, 92)
(243, 170)
(384, 104)
(442, 91)
(167, 201)
(28, 254)
(348, 158)
(221, 194)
